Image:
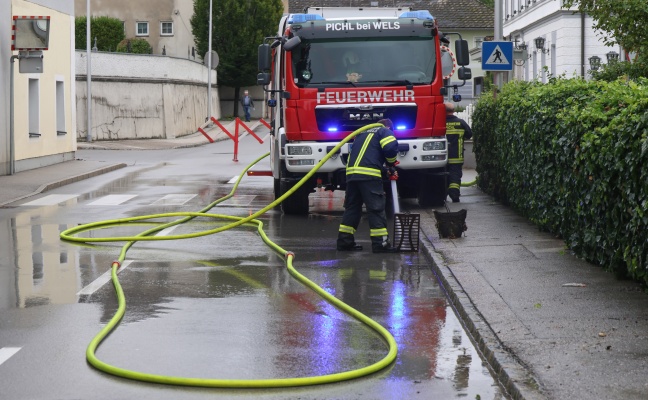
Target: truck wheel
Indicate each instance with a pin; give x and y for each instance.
(433, 189)
(297, 203)
(277, 188)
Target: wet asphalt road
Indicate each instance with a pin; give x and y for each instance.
(221, 306)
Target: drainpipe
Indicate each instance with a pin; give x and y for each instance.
(583, 45)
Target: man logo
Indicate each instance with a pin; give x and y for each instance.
(365, 116)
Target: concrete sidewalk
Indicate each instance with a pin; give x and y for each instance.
(550, 325)
(213, 132)
(28, 183)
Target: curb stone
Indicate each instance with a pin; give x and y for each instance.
(53, 185)
(513, 377)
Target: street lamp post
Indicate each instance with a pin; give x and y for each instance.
(88, 75)
(209, 66)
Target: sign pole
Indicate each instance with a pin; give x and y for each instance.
(88, 75)
(497, 76)
(209, 66)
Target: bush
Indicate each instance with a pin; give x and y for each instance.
(108, 31)
(138, 46)
(572, 157)
(625, 69)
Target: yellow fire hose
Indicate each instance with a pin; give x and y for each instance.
(70, 235)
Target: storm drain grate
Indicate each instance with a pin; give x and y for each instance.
(406, 231)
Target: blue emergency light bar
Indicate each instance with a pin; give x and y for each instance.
(301, 18)
(420, 14)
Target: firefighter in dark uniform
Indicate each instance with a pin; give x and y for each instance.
(457, 130)
(371, 150)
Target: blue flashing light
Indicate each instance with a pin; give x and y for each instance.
(420, 14)
(301, 18)
(332, 129)
(401, 127)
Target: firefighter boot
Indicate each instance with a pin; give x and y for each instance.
(382, 245)
(346, 242)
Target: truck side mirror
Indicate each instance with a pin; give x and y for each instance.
(464, 73)
(263, 78)
(461, 51)
(292, 43)
(265, 57)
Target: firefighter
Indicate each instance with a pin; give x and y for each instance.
(457, 130)
(371, 150)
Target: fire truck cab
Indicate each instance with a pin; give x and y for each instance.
(331, 71)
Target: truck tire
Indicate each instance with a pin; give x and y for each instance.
(433, 189)
(277, 188)
(297, 203)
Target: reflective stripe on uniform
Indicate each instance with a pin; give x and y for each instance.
(454, 186)
(460, 142)
(363, 171)
(378, 232)
(363, 149)
(386, 140)
(347, 229)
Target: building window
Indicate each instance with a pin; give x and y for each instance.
(60, 108)
(124, 27)
(142, 28)
(34, 108)
(166, 28)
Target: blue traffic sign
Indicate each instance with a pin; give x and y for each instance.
(497, 56)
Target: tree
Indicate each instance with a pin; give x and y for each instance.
(624, 20)
(108, 31)
(238, 28)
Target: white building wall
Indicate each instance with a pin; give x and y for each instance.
(562, 32)
(5, 54)
(32, 151)
(139, 96)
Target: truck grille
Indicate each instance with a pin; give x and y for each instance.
(349, 118)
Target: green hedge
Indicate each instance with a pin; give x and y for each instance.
(572, 156)
(138, 46)
(108, 31)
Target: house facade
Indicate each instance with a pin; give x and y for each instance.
(43, 101)
(552, 41)
(164, 24)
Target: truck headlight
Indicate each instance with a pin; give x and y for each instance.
(299, 151)
(438, 145)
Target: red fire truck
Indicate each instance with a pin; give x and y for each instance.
(331, 71)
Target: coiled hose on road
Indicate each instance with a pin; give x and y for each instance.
(70, 235)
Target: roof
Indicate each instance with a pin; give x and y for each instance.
(451, 14)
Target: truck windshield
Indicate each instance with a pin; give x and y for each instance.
(378, 62)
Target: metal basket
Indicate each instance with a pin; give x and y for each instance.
(451, 224)
(406, 231)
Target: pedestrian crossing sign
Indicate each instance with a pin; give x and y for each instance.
(497, 56)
